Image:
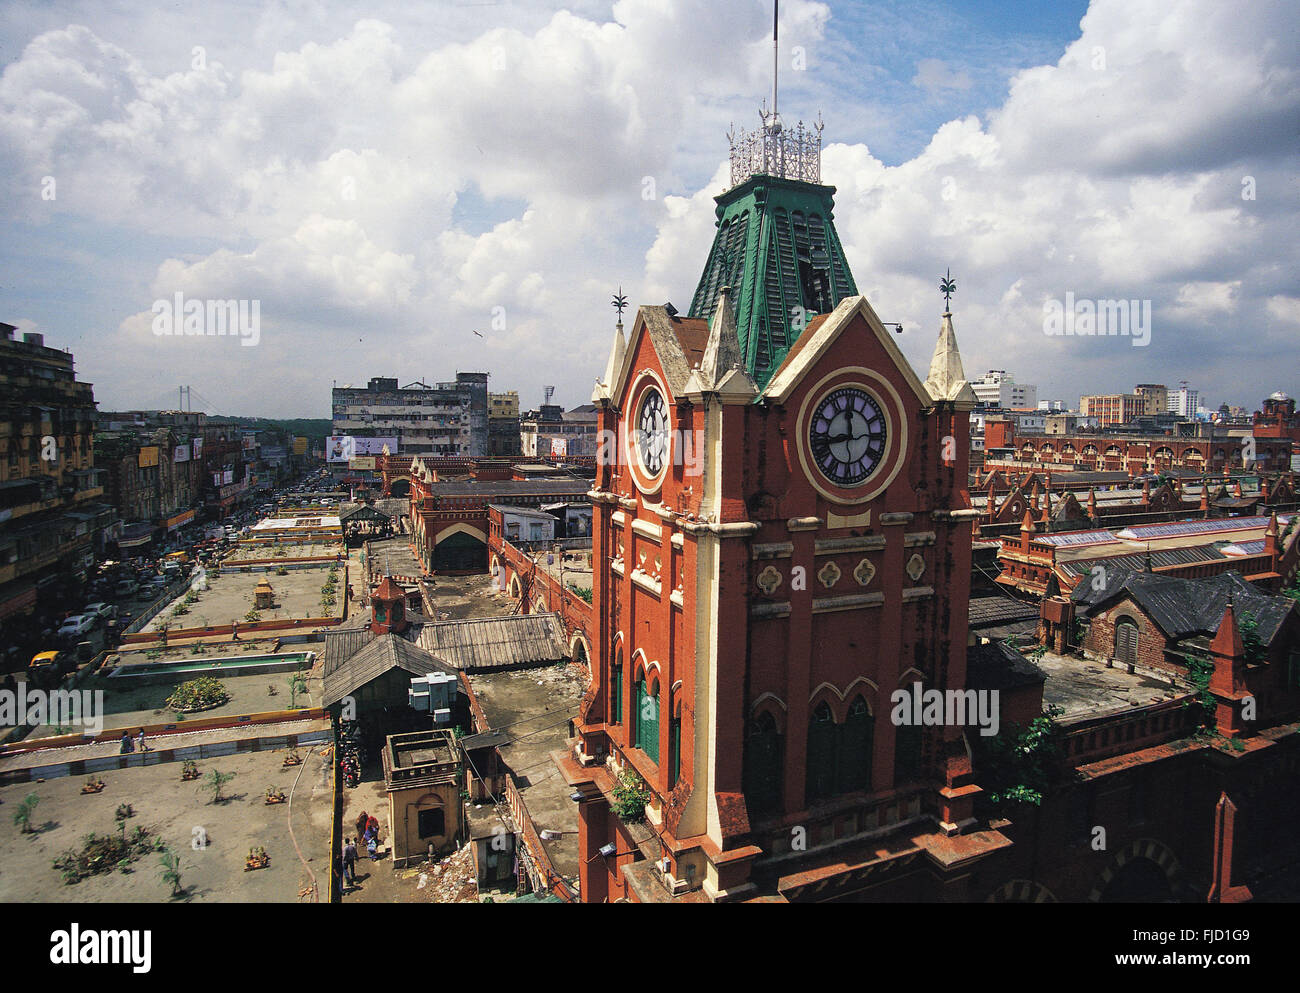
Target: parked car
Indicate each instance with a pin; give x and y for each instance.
(76, 625)
(100, 610)
(47, 668)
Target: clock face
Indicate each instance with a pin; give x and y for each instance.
(847, 435)
(652, 432)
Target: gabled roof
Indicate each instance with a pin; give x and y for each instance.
(678, 341)
(1187, 607)
(380, 656)
(497, 642)
(814, 343)
(342, 643)
(362, 512)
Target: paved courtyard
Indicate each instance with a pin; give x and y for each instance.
(131, 703)
(229, 597)
(534, 706)
(212, 839)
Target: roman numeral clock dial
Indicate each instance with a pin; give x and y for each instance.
(652, 437)
(847, 436)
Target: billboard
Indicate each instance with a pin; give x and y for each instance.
(342, 447)
(181, 453)
(148, 456)
(560, 447)
(299, 446)
(228, 476)
(198, 447)
(362, 462)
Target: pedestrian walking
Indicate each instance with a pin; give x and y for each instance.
(350, 861)
(234, 630)
(126, 743)
(362, 821)
(140, 746)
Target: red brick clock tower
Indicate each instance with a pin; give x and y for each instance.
(782, 540)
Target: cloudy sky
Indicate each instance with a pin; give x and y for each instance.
(387, 179)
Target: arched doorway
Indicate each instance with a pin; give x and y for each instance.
(459, 552)
(1138, 881)
(1126, 641)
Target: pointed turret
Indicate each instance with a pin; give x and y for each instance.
(947, 379)
(721, 370)
(1028, 525)
(612, 367)
(388, 613)
(1092, 503)
(1272, 547)
(1227, 642)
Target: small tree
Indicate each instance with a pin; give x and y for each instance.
(23, 814)
(631, 794)
(171, 874)
(216, 782)
(297, 684)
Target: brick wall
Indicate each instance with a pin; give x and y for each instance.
(1100, 640)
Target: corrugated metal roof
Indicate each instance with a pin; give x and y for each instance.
(497, 642)
(1078, 538)
(566, 485)
(385, 652)
(342, 643)
(1137, 561)
(987, 610)
(1255, 547)
(1174, 529)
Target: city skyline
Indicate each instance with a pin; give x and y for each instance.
(336, 172)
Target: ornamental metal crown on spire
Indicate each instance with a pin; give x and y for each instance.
(771, 150)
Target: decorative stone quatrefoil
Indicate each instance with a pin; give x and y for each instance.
(829, 574)
(916, 567)
(864, 573)
(769, 580)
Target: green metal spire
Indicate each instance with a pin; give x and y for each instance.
(777, 247)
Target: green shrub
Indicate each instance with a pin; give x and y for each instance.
(631, 794)
(202, 693)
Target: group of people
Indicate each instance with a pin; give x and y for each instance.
(368, 835)
(137, 746)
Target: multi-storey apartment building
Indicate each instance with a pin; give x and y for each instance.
(1156, 396)
(446, 419)
(552, 430)
(1114, 408)
(52, 514)
(1184, 402)
(503, 423)
(999, 388)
